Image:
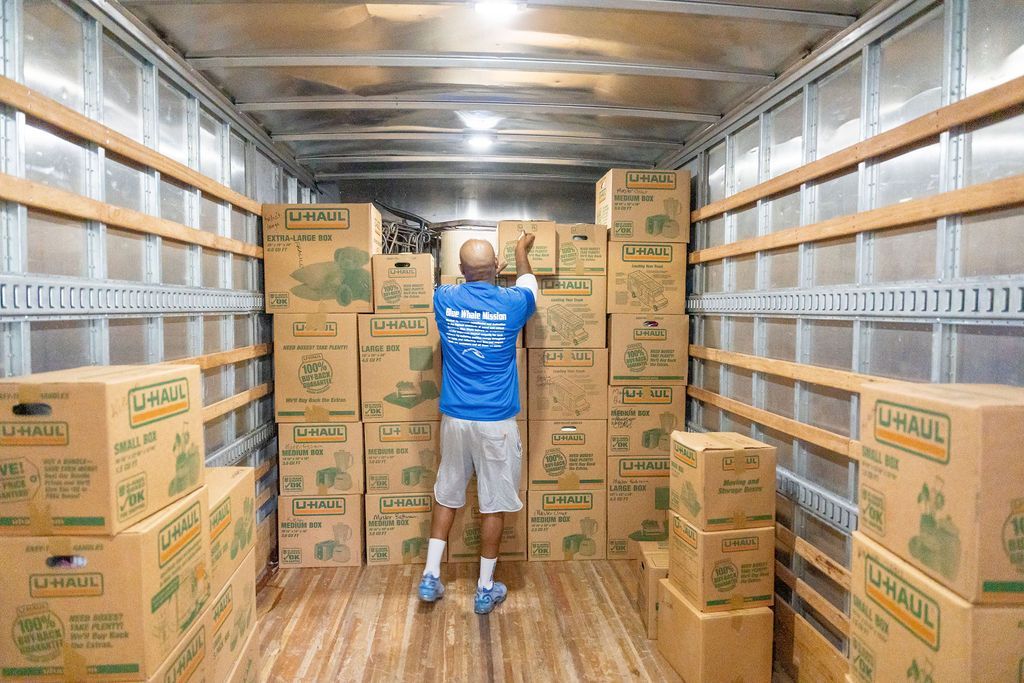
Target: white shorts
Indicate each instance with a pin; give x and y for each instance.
(493, 450)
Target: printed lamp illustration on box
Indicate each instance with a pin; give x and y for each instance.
(654, 529)
(410, 394)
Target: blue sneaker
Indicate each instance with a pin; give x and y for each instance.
(431, 589)
(487, 599)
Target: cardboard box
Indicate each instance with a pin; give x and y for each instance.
(653, 546)
(97, 449)
(398, 527)
(722, 570)
(316, 258)
(641, 418)
(402, 457)
(942, 483)
(320, 459)
(522, 375)
(644, 205)
(570, 313)
(231, 619)
(568, 384)
(543, 253)
(232, 495)
(722, 480)
(568, 455)
(316, 368)
(648, 349)
(189, 662)
(652, 567)
(582, 249)
(906, 626)
(403, 283)
(320, 531)
(464, 539)
(711, 647)
(247, 668)
(637, 504)
(123, 604)
(645, 277)
(400, 367)
(566, 525)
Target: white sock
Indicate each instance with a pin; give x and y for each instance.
(487, 572)
(435, 549)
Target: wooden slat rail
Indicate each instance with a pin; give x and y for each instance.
(832, 614)
(817, 659)
(804, 432)
(990, 102)
(52, 199)
(215, 410)
(814, 374)
(823, 563)
(215, 360)
(39, 106)
(996, 194)
(784, 537)
(785, 575)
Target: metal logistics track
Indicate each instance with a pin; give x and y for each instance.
(825, 505)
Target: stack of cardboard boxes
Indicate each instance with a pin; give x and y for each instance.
(938, 562)
(715, 601)
(121, 556)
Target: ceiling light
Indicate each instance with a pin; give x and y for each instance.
(479, 120)
(496, 9)
(479, 143)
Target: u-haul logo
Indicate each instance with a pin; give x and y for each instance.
(646, 395)
(155, 402)
(914, 610)
(320, 433)
(739, 544)
(223, 608)
(647, 253)
(66, 585)
(406, 431)
(576, 438)
(567, 501)
(178, 533)
(564, 286)
(189, 660)
(33, 434)
(220, 519)
(316, 219)
(643, 467)
(318, 507)
(394, 505)
(684, 532)
(398, 327)
(913, 430)
(750, 462)
(401, 272)
(649, 334)
(304, 329)
(568, 358)
(684, 454)
(650, 180)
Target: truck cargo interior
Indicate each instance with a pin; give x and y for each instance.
(264, 415)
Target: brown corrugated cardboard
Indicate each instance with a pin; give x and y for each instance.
(637, 504)
(942, 483)
(582, 249)
(247, 668)
(117, 605)
(320, 459)
(232, 495)
(95, 450)
(230, 619)
(189, 662)
(644, 205)
(568, 455)
(713, 647)
(905, 626)
(316, 368)
(652, 567)
(722, 570)
(317, 257)
(398, 527)
(320, 531)
(722, 480)
(403, 283)
(464, 539)
(402, 457)
(568, 384)
(400, 367)
(647, 349)
(566, 525)
(641, 418)
(543, 254)
(646, 277)
(522, 375)
(570, 313)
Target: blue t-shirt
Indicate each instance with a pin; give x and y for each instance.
(478, 322)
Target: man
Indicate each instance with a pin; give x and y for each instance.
(479, 323)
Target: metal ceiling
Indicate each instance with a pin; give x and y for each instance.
(559, 88)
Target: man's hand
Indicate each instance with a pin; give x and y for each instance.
(526, 241)
(523, 246)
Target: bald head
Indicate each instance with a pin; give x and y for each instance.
(477, 260)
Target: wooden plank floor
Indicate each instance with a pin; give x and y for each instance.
(563, 621)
